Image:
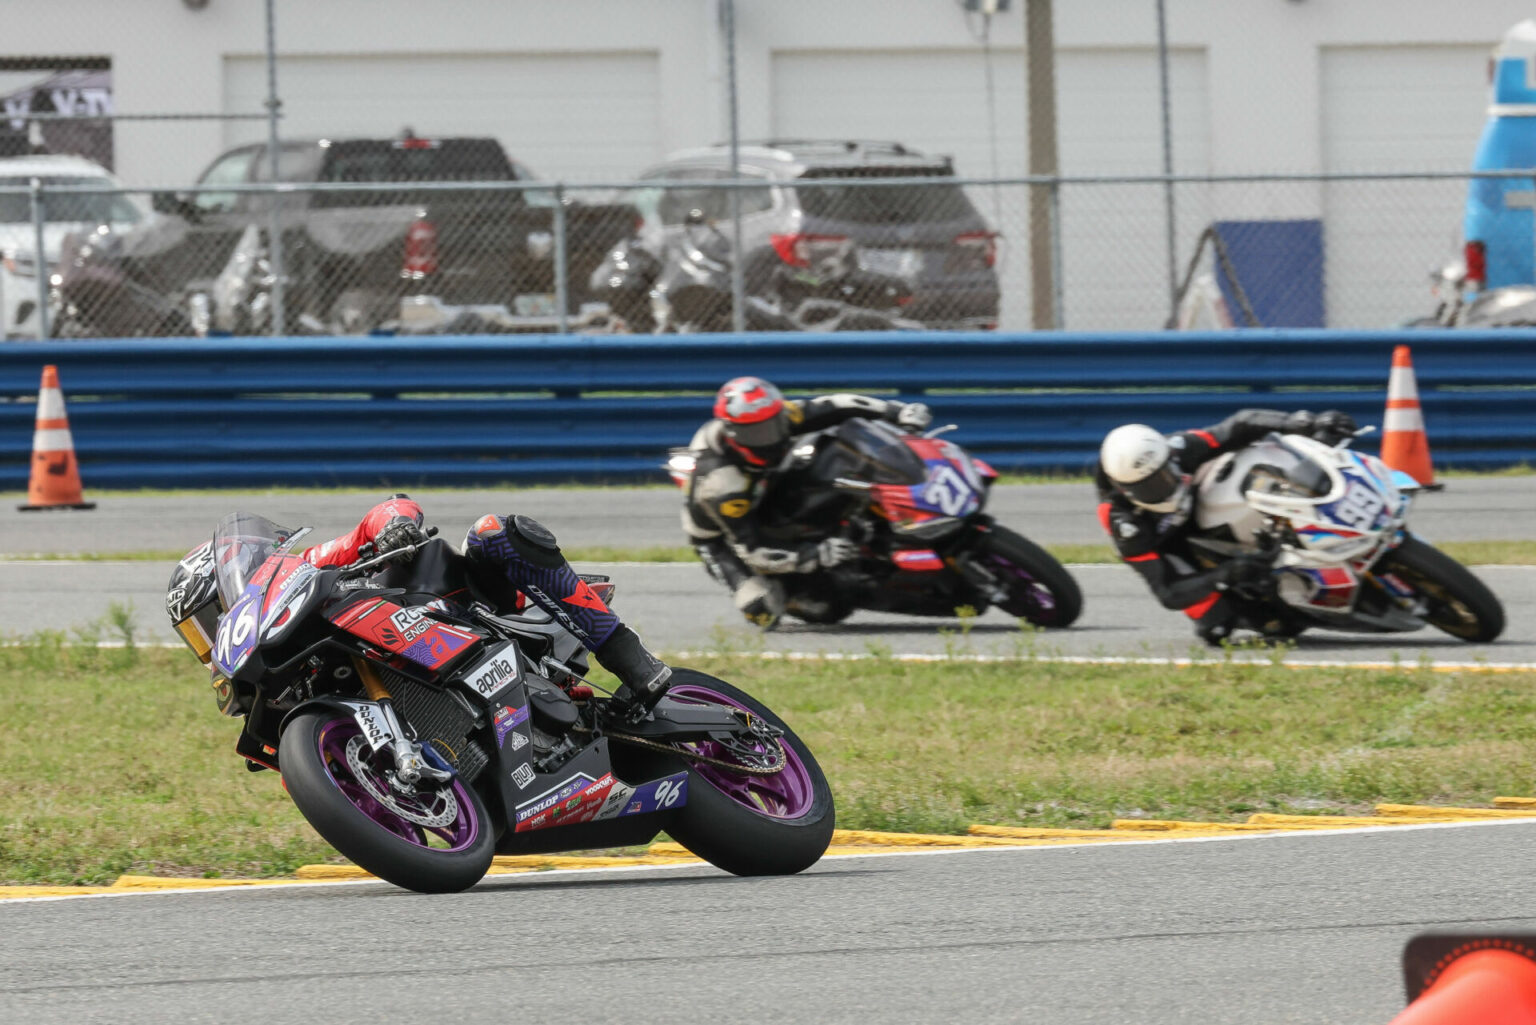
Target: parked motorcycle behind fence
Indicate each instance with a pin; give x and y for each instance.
(914, 503)
(820, 288)
(1336, 522)
(1456, 306)
(420, 740)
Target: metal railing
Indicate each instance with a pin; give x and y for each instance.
(458, 411)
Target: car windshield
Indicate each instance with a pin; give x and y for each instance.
(821, 196)
(241, 543)
(870, 450)
(66, 207)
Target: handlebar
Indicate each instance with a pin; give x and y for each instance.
(370, 561)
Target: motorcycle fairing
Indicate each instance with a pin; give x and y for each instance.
(951, 489)
(580, 798)
(917, 559)
(1329, 588)
(622, 817)
(404, 630)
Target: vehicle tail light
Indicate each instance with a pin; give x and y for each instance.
(420, 250)
(1476, 255)
(800, 250)
(982, 243)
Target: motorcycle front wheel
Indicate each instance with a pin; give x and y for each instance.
(746, 824)
(440, 841)
(1040, 589)
(1457, 602)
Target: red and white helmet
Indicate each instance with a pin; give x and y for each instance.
(756, 423)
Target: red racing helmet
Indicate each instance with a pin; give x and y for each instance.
(755, 420)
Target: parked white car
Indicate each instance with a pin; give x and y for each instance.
(63, 213)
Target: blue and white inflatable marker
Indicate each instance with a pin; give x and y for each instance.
(1500, 226)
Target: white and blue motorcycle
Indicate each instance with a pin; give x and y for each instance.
(1346, 560)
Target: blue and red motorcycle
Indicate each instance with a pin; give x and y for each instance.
(420, 732)
(914, 503)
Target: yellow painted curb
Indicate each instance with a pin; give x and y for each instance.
(852, 842)
(1274, 819)
(1419, 811)
(1042, 833)
(848, 837)
(8, 892)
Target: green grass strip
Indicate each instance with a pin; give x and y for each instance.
(155, 788)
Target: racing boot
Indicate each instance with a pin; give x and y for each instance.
(643, 678)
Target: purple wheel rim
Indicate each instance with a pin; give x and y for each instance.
(457, 836)
(1023, 586)
(787, 794)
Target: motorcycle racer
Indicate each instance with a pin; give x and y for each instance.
(1146, 503)
(501, 550)
(736, 457)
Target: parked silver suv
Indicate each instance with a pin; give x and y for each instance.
(820, 204)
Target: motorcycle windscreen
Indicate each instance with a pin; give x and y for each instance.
(241, 543)
(873, 451)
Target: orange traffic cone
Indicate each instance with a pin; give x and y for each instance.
(55, 482)
(1404, 445)
(1483, 987)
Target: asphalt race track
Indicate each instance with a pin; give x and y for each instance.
(1301, 928)
(677, 608)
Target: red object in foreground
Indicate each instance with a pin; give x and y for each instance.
(1466, 980)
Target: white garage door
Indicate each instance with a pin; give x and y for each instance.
(572, 117)
(1391, 109)
(1108, 115)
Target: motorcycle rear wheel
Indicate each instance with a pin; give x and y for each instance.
(751, 825)
(1458, 602)
(1040, 588)
(339, 799)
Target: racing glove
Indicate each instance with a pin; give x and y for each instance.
(1300, 422)
(1248, 575)
(1333, 426)
(914, 416)
(400, 532)
(835, 551)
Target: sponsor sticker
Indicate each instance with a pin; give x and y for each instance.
(507, 720)
(494, 675)
(373, 730)
(522, 775)
(410, 622)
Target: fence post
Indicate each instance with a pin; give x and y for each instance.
(562, 283)
(1058, 311)
(41, 262)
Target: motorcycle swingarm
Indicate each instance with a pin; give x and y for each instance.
(678, 720)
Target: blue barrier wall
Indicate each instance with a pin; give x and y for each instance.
(485, 410)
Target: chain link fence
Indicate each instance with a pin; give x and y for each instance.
(408, 240)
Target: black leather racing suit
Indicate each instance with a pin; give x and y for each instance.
(720, 508)
(1156, 545)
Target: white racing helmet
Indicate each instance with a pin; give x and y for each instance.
(1139, 462)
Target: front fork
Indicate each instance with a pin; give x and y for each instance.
(961, 556)
(411, 765)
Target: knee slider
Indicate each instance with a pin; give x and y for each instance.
(760, 601)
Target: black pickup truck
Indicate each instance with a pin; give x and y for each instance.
(402, 250)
